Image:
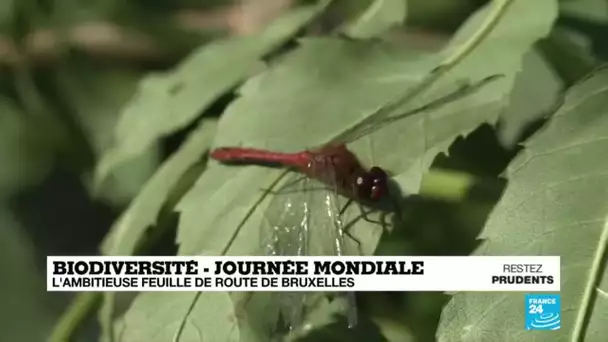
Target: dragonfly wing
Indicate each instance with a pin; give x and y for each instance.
(332, 231)
(325, 232)
(285, 233)
(285, 226)
(304, 219)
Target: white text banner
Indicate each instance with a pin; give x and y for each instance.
(347, 273)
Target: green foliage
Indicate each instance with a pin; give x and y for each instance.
(24, 315)
(135, 133)
(6, 13)
(211, 310)
(26, 151)
(300, 102)
(143, 211)
(534, 94)
(556, 194)
(128, 231)
(97, 116)
(168, 102)
(595, 10)
(377, 18)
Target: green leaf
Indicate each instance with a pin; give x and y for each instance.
(168, 102)
(156, 317)
(599, 315)
(438, 14)
(145, 208)
(24, 314)
(421, 137)
(160, 317)
(394, 331)
(7, 10)
(594, 10)
(95, 94)
(291, 108)
(322, 313)
(129, 230)
(380, 16)
(27, 149)
(326, 88)
(537, 89)
(554, 205)
(570, 54)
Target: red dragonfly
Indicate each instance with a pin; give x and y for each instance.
(314, 225)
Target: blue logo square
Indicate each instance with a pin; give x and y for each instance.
(543, 312)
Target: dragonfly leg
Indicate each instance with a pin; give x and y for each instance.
(346, 229)
(364, 214)
(357, 241)
(346, 205)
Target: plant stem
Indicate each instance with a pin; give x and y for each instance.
(585, 306)
(78, 310)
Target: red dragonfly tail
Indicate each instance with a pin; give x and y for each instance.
(251, 155)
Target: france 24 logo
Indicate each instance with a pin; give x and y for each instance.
(543, 312)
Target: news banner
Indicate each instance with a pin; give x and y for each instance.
(327, 274)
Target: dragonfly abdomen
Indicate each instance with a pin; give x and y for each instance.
(256, 156)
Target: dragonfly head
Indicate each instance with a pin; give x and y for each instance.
(372, 185)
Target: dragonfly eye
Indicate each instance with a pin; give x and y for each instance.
(378, 173)
(373, 184)
(377, 192)
(379, 183)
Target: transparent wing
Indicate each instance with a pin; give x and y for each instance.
(303, 219)
(326, 227)
(286, 220)
(335, 206)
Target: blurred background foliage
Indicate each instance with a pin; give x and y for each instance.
(67, 68)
